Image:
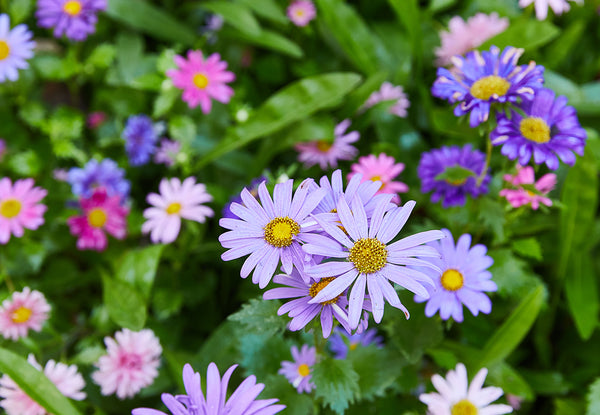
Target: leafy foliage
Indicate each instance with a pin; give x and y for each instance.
(336, 383)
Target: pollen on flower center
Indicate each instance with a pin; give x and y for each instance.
(281, 231)
(490, 86)
(173, 208)
(464, 407)
(303, 370)
(318, 286)
(21, 315)
(10, 208)
(72, 7)
(535, 129)
(369, 255)
(200, 80)
(97, 218)
(452, 280)
(4, 50)
(324, 146)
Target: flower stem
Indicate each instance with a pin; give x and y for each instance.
(486, 166)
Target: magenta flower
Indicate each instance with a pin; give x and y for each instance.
(20, 208)
(381, 168)
(301, 12)
(95, 119)
(326, 153)
(202, 79)
(74, 18)
(389, 92)
(298, 371)
(101, 213)
(534, 194)
(130, 365)
(24, 311)
(541, 6)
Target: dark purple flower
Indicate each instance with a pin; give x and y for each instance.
(341, 342)
(96, 174)
(140, 139)
(75, 19)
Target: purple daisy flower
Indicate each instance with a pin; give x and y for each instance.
(368, 259)
(75, 19)
(452, 192)
(140, 139)
(242, 401)
(16, 47)
(270, 231)
(96, 174)
(341, 342)
(298, 371)
(252, 188)
(167, 152)
(482, 78)
(549, 130)
(463, 280)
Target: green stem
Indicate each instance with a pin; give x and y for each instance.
(488, 157)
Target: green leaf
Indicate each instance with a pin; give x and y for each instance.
(137, 267)
(377, 370)
(528, 247)
(455, 175)
(526, 33)
(269, 9)
(126, 306)
(547, 383)
(511, 382)
(584, 99)
(569, 406)
(165, 101)
(266, 39)
(19, 10)
(558, 51)
(102, 56)
(593, 398)
(262, 353)
(511, 274)
(582, 294)
(278, 387)
(260, 316)
(336, 383)
(236, 14)
(491, 214)
(35, 384)
(26, 163)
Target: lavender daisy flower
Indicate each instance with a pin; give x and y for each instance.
(480, 79)
(368, 259)
(75, 19)
(270, 231)
(140, 139)
(549, 130)
(252, 188)
(167, 152)
(463, 280)
(452, 192)
(242, 401)
(341, 342)
(16, 47)
(99, 174)
(298, 371)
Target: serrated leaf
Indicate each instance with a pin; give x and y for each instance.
(491, 214)
(377, 369)
(236, 14)
(260, 316)
(261, 353)
(278, 387)
(511, 274)
(336, 383)
(137, 267)
(593, 398)
(126, 306)
(528, 247)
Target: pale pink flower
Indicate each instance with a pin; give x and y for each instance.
(536, 191)
(462, 36)
(19, 207)
(176, 200)
(131, 363)
(66, 378)
(382, 168)
(24, 311)
(389, 92)
(541, 6)
(101, 213)
(202, 79)
(327, 153)
(167, 152)
(301, 12)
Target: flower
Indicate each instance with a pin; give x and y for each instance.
(550, 130)
(465, 36)
(252, 188)
(131, 363)
(368, 260)
(270, 231)
(167, 152)
(202, 79)
(66, 378)
(100, 213)
(301, 12)
(96, 174)
(541, 6)
(452, 191)
(140, 139)
(463, 278)
(241, 402)
(20, 208)
(16, 47)
(326, 153)
(341, 342)
(457, 397)
(381, 168)
(95, 119)
(523, 196)
(75, 19)
(389, 92)
(481, 79)
(24, 311)
(176, 200)
(298, 371)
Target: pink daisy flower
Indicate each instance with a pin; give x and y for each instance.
(66, 378)
(24, 311)
(130, 365)
(298, 372)
(533, 192)
(301, 12)
(101, 213)
(326, 153)
(389, 92)
(176, 200)
(19, 207)
(381, 168)
(202, 79)
(463, 36)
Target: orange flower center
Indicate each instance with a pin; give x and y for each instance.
(97, 218)
(4, 50)
(72, 7)
(200, 80)
(21, 315)
(10, 208)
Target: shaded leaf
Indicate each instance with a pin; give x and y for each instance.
(268, 9)
(236, 14)
(259, 316)
(377, 370)
(138, 268)
(336, 383)
(528, 247)
(266, 39)
(126, 306)
(593, 398)
(526, 33)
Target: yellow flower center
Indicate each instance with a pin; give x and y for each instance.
(200, 80)
(378, 179)
(452, 280)
(323, 146)
(173, 208)
(21, 315)
(456, 182)
(97, 218)
(535, 129)
(353, 346)
(530, 193)
(369, 255)
(464, 407)
(303, 370)
(280, 232)
(72, 8)
(10, 208)
(318, 286)
(4, 50)
(490, 86)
